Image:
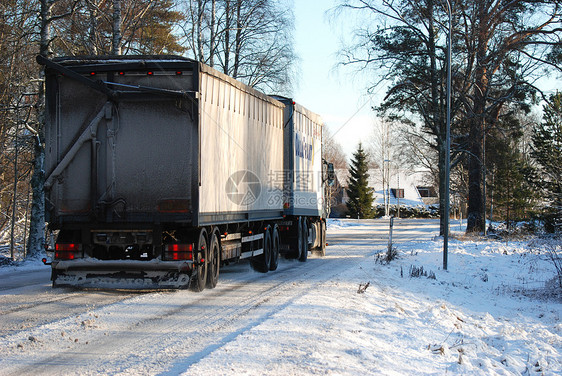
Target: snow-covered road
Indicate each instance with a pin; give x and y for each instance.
(305, 318)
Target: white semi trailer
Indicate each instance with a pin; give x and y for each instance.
(160, 169)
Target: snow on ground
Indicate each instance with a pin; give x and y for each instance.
(488, 314)
(473, 319)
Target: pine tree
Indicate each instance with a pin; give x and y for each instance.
(508, 190)
(547, 152)
(360, 202)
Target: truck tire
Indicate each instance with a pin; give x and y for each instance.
(274, 263)
(199, 274)
(296, 247)
(214, 261)
(261, 262)
(303, 253)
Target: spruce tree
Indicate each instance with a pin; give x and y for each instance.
(547, 152)
(511, 194)
(360, 196)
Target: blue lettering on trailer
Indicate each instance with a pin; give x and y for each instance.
(303, 149)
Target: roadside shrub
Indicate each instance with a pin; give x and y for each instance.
(386, 257)
(418, 272)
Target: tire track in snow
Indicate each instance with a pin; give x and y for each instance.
(49, 308)
(178, 329)
(187, 332)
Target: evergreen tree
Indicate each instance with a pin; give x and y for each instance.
(547, 152)
(508, 190)
(360, 202)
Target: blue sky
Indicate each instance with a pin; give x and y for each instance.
(331, 92)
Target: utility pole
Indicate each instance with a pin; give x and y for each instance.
(387, 188)
(448, 143)
(398, 194)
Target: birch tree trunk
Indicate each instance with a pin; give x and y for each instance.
(93, 13)
(200, 11)
(36, 238)
(116, 41)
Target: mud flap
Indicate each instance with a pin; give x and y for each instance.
(122, 280)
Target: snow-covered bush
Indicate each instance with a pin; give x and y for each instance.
(552, 248)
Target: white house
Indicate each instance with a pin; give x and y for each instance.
(404, 188)
(400, 187)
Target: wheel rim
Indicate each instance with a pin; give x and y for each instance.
(200, 279)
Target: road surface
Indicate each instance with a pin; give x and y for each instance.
(69, 331)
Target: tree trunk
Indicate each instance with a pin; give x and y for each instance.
(15, 197)
(200, 30)
(475, 211)
(93, 13)
(116, 41)
(227, 26)
(212, 41)
(36, 238)
(238, 39)
(475, 215)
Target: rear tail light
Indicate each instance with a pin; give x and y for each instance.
(177, 252)
(68, 251)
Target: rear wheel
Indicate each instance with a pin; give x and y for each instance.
(297, 243)
(274, 263)
(261, 262)
(199, 275)
(214, 261)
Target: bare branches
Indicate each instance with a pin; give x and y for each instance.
(250, 40)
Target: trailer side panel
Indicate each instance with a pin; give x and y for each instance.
(241, 135)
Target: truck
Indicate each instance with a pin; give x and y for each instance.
(159, 170)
